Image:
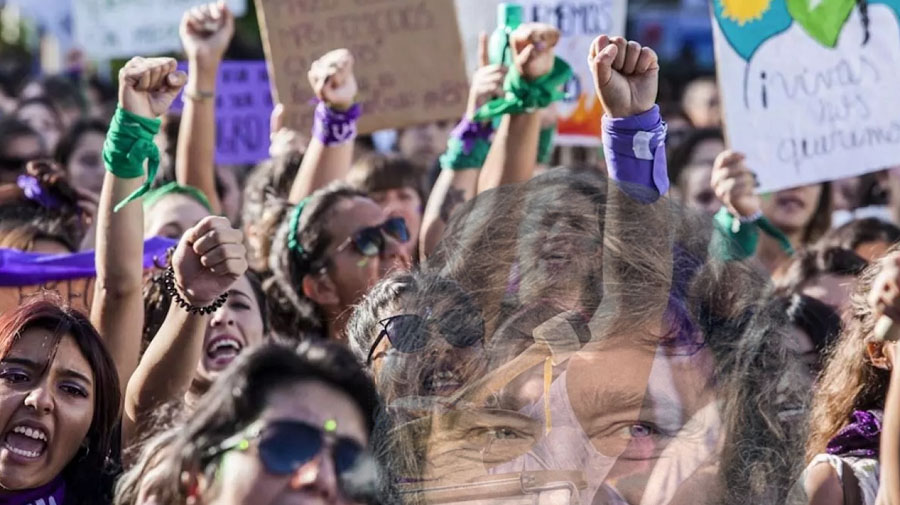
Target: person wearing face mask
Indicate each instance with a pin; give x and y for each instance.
(59, 407)
(789, 219)
(283, 425)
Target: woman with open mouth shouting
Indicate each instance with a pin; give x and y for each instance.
(59, 406)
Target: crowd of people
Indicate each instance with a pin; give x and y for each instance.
(455, 322)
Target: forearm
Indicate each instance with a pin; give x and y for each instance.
(890, 445)
(330, 151)
(634, 148)
(117, 311)
(513, 152)
(168, 365)
(195, 154)
(452, 189)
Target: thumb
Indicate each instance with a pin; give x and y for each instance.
(525, 56)
(483, 55)
(603, 64)
(175, 81)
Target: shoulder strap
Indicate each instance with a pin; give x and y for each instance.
(852, 491)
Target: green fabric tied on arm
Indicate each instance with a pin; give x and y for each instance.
(129, 142)
(455, 158)
(523, 96)
(736, 242)
(545, 144)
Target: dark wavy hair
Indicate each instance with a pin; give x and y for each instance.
(233, 403)
(89, 475)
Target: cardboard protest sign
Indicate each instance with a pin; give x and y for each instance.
(409, 60)
(125, 28)
(809, 87)
(243, 109)
(579, 23)
(70, 276)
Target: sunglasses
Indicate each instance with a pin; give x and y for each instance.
(285, 446)
(371, 241)
(408, 333)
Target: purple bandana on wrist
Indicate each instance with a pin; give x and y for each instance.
(335, 127)
(33, 190)
(468, 132)
(860, 438)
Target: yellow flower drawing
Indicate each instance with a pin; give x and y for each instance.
(743, 11)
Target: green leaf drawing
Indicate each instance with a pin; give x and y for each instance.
(821, 19)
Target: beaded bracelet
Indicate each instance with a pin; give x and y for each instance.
(168, 283)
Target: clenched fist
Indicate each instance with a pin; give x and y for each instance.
(209, 258)
(206, 31)
(148, 86)
(735, 185)
(626, 75)
(533, 46)
(332, 79)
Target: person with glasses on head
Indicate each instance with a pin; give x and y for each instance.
(284, 425)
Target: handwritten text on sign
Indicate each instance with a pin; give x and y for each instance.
(126, 28)
(804, 112)
(409, 61)
(243, 109)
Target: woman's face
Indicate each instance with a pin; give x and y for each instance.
(42, 120)
(46, 408)
(791, 210)
(353, 273)
(698, 192)
(405, 203)
(235, 326)
(242, 478)
(172, 215)
(85, 167)
(18, 151)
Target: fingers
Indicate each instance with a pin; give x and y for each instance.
(206, 225)
(215, 238)
(148, 74)
(647, 61)
(222, 254)
(603, 54)
(632, 54)
(621, 46)
(483, 54)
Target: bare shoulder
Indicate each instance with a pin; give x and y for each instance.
(823, 486)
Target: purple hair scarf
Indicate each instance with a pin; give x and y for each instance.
(19, 268)
(860, 438)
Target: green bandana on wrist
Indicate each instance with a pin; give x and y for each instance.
(155, 195)
(129, 142)
(736, 243)
(455, 158)
(545, 144)
(523, 96)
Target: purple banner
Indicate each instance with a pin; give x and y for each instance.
(243, 108)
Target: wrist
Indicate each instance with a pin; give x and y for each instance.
(207, 66)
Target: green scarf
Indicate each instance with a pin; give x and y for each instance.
(155, 195)
(523, 96)
(129, 141)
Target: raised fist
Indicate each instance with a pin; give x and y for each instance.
(734, 184)
(332, 79)
(209, 258)
(206, 31)
(487, 81)
(532, 46)
(148, 86)
(626, 75)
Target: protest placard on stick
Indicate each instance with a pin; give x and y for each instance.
(408, 53)
(809, 88)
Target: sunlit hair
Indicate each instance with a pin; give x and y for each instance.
(634, 262)
(232, 404)
(850, 381)
(88, 475)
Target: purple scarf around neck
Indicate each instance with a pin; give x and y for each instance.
(53, 493)
(860, 438)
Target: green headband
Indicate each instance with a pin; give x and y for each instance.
(293, 240)
(155, 195)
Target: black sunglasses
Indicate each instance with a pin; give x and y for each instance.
(371, 241)
(285, 446)
(408, 333)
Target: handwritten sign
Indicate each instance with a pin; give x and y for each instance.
(579, 23)
(125, 28)
(243, 108)
(409, 61)
(809, 89)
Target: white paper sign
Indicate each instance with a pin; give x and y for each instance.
(805, 98)
(579, 22)
(125, 28)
